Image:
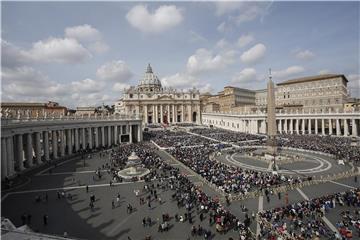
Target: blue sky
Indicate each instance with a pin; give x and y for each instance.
(85, 53)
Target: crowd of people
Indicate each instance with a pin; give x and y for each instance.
(227, 135)
(169, 139)
(303, 220)
(230, 179)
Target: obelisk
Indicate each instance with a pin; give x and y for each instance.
(271, 118)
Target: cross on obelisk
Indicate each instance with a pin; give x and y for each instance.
(271, 120)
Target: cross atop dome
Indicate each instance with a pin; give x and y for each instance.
(149, 69)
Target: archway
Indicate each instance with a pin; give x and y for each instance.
(194, 115)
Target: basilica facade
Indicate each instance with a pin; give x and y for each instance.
(159, 105)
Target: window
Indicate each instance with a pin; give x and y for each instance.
(130, 96)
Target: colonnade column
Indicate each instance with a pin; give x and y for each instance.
(291, 126)
(297, 126)
(346, 127)
(54, 144)
(303, 126)
(83, 138)
(46, 145)
(323, 126)
(29, 150)
(4, 159)
(62, 143)
(10, 155)
(103, 136)
(76, 135)
(68, 141)
(90, 138)
(96, 135)
(116, 134)
(20, 152)
(37, 148)
(109, 136)
(330, 126)
(354, 128)
(338, 130)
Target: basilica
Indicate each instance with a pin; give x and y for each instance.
(159, 105)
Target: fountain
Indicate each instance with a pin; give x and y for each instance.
(133, 168)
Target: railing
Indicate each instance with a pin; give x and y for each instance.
(22, 119)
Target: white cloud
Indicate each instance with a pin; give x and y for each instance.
(245, 40)
(83, 33)
(11, 56)
(25, 82)
(324, 71)
(204, 60)
(87, 86)
(246, 76)
(61, 50)
(162, 19)
(114, 71)
(196, 37)
(240, 12)
(223, 27)
(98, 47)
(92, 99)
(222, 43)
(305, 55)
(119, 87)
(207, 88)
(180, 80)
(254, 54)
(288, 72)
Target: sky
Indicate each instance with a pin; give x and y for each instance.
(86, 53)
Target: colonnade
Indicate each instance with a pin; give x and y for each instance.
(25, 147)
(337, 124)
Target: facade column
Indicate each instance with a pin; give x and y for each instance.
(291, 130)
(303, 126)
(130, 133)
(156, 120)
(354, 128)
(103, 136)
(29, 150)
(297, 126)
(174, 113)
(68, 141)
(139, 133)
(309, 127)
(330, 127)
(161, 114)
(323, 126)
(168, 113)
(316, 126)
(338, 130)
(10, 156)
(189, 112)
(146, 114)
(279, 126)
(55, 144)
(4, 159)
(182, 113)
(286, 126)
(62, 143)
(37, 148)
(346, 127)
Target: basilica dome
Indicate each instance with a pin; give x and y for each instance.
(150, 79)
